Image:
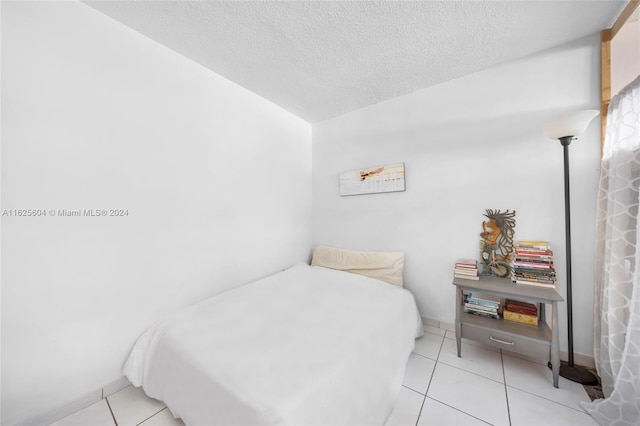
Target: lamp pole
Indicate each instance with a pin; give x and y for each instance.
(558, 128)
(565, 141)
(569, 370)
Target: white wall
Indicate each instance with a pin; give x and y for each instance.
(469, 145)
(216, 181)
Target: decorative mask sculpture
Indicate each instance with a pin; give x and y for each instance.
(496, 246)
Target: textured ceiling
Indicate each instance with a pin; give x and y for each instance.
(321, 59)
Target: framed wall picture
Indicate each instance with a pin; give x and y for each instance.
(373, 180)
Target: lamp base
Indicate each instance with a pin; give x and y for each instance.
(577, 374)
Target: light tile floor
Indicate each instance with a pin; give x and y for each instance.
(484, 386)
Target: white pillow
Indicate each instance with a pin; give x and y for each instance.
(387, 267)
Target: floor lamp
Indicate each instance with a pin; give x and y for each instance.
(565, 128)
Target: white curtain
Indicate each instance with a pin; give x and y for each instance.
(617, 286)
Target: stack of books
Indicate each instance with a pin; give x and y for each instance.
(533, 264)
(522, 312)
(466, 269)
(485, 305)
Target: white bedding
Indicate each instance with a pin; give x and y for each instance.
(308, 345)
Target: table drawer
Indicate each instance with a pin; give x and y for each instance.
(507, 341)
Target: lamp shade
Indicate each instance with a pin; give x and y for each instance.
(571, 124)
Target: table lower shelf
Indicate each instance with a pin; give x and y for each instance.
(526, 339)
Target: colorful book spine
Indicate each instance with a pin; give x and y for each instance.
(537, 282)
(533, 264)
(539, 245)
(535, 272)
(466, 269)
(486, 303)
(470, 305)
(521, 307)
(484, 298)
(520, 318)
(482, 313)
(467, 277)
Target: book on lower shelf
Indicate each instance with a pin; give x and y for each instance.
(466, 269)
(520, 318)
(520, 311)
(521, 307)
(485, 305)
(479, 298)
(482, 313)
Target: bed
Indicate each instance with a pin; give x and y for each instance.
(310, 345)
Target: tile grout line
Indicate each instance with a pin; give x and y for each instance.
(153, 415)
(429, 385)
(413, 390)
(430, 379)
(579, 410)
(547, 399)
(461, 369)
(111, 412)
(506, 391)
(458, 410)
(475, 374)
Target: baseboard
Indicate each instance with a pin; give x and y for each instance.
(76, 405)
(61, 412)
(115, 386)
(580, 359)
(438, 324)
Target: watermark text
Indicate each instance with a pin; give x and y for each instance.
(65, 213)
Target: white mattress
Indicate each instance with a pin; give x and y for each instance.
(308, 345)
